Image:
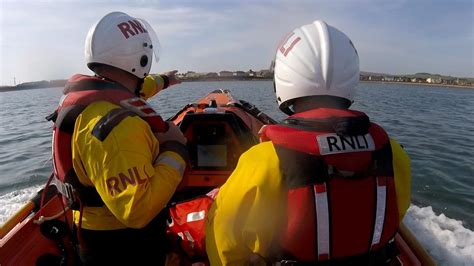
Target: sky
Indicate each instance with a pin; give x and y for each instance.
(44, 40)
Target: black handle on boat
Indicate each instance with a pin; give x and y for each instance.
(254, 111)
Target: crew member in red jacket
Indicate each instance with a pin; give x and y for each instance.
(327, 185)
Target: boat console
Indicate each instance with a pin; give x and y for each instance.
(215, 142)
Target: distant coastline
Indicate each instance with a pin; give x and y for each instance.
(471, 86)
(424, 79)
(226, 79)
(35, 85)
(421, 84)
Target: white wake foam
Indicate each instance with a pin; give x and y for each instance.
(446, 239)
(11, 202)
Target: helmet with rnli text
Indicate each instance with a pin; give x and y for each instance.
(124, 42)
(315, 60)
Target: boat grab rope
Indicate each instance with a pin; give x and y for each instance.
(43, 219)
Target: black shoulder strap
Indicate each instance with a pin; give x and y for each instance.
(299, 168)
(383, 161)
(66, 118)
(108, 122)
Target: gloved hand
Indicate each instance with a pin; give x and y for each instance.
(171, 75)
(173, 134)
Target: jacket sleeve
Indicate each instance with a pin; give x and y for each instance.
(244, 216)
(133, 179)
(402, 171)
(152, 84)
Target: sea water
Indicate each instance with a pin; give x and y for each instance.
(434, 124)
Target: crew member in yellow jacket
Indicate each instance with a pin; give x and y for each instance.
(326, 185)
(130, 152)
(125, 169)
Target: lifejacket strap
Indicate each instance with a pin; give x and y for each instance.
(52, 117)
(66, 118)
(383, 161)
(296, 166)
(351, 126)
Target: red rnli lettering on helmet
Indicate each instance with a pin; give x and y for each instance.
(116, 184)
(132, 27)
(289, 43)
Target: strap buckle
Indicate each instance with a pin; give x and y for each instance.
(66, 189)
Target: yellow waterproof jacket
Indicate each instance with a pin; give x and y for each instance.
(248, 209)
(134, 179)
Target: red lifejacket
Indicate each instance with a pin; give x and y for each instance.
(79, 92)
(187, 222)
(341, 199)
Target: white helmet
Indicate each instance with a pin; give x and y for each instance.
(315, 60)
(124, 42)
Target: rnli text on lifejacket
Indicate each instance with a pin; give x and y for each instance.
(333, 143)
(116, 184)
